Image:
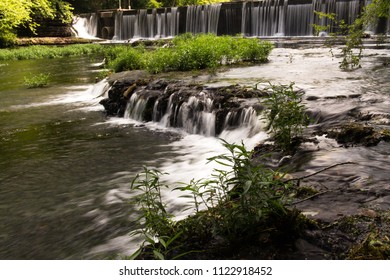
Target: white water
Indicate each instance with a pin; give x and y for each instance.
(88, 95)
(266, 18)
(86, 27)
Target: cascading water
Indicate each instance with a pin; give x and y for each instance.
(203, 19)
(147, 24)
(195, 113)
(86, 26)
(254, 18)
(281, 18)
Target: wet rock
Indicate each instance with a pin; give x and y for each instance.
(355, 134)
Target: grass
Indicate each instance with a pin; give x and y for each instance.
(207, 51)
(184, 53)
(37, 81)
(38, 52)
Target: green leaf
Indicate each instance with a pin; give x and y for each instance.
(158, 255)
(135, 254)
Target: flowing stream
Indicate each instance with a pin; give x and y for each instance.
(66, 168)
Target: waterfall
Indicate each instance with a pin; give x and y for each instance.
(203, 19)
(118, 30)
(86, 25)
(193, 111)
(263, 18)
(266, 18)
(153, 23)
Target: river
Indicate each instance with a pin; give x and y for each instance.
(66, 168)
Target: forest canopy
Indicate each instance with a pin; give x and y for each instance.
(24, 13)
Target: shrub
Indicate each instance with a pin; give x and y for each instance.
(240, 199)
(130, 59)
(195, 52)
(285, 114)
(37, 81)
(253, 50)
(161, 60)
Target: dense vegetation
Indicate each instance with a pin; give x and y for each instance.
(189, 52)
(184, 53)
(37, 52)
(18, 13)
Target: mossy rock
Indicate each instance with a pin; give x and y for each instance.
(355, 134)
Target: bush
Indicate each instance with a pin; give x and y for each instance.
(240, 200)
(252, 50)
(162, 60)
(130, 59)
(37, 81)
(285, 114)
(194, 52)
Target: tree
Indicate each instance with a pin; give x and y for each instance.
(18, 13)
(354, 33)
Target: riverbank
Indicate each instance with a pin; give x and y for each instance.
(53, 41)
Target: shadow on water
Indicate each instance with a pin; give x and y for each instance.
(65, 172)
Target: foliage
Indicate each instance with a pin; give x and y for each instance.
(37, 52)
(352, 51)
(238, 202)
(82, 6)
(285, 114)
(128, 59)
(195, 52)
(187, 52)
(157, 226)
(16, 13)
(37, 81)
(240, 197)
(353, 34)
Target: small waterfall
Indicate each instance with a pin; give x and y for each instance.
(155, 23)
(203, 19)
(86, 25)
(193, 111)
(244, 120)
(118, 28)
(196, 115)
(136, 107)
(267, 18)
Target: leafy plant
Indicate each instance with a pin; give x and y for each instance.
(17, 13)
(189, 52)
(240, 200)
(285, 114)
(353, 34)
(37, 81)
(240, 197)
(131, 59)
(157, 226)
